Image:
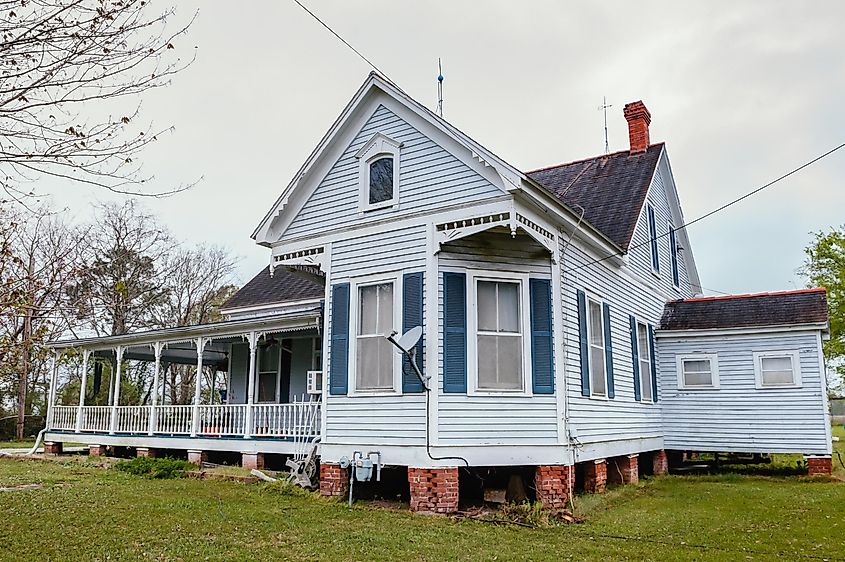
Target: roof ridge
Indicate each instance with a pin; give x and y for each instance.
(588, 159)
(753, 295)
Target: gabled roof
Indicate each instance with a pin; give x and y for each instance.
(611, 189)
(283, 286)
(787, 308)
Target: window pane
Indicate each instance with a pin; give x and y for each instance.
(645, 379)
(697, 379)
(697, 365)
(642, 341)
(381, 180)
(268, 357)
(486, 304)
(368, 297)
(509, 307)
(499, 362)
(487, 361)
(598, 383)
(385, 309)
(596, 333)
(267, 387)
(385, 364)
(777, 363)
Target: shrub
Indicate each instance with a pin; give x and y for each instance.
(155, 468)
(289, 489)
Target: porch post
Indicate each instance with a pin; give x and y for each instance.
(51, 389)
(119, 356)
(197, 387)
(83, 387)
(250, 394)
(157, 346)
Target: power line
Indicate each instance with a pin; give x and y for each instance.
(711, 213)
(342, 40)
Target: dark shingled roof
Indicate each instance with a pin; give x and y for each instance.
(806, 306)
(284, 286)
(610, 188)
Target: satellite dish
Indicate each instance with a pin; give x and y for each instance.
(409, 339)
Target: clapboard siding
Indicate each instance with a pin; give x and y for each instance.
(429, 178)
(391, 250)
(737, 416)
(622, 417)
(494, 420)
(640, 248)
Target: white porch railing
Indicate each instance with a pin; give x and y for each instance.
(64, 417)
(295, 420)
(94, 418)
(174, 420)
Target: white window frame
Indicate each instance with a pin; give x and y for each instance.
(644, 376)
(714, 370)
(473, 277)
(354, 305)
(379, 146)
(588, 297)
(794, 354)
(653, 247)
(670, 228)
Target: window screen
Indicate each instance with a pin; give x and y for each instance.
(598, 378)
(381, 180)
(697, 372)
(499, 336)
(374, 354)
(777, 371)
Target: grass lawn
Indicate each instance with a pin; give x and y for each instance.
(25, 444)
(83, 512)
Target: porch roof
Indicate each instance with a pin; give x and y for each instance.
(288, 322)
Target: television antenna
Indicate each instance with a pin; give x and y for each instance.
(407, 345)
(604, 107)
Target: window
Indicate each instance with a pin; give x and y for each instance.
(268, 370)
(381, 180)
(673, 252)
(777, 369)
(499, 331)
(652, 232)
(378, 171)
(374, 370)
(698, 371)
(644, 351)
(595, 337)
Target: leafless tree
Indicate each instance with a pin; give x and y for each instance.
(64, 67)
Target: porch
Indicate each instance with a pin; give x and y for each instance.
(267, 399)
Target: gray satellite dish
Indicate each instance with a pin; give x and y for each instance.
(407, 345)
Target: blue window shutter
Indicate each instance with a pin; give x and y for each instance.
(412, 315)
(608, 350)
(673, 250)
(542, 354)
(582, 331)
(339, 364)
(454, 332)
(653, 364)
(652, 231)
(635, 356)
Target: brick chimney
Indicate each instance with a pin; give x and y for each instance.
(638, 119)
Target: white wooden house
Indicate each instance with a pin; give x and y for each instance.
(559, 311)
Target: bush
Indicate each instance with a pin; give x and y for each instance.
(155, 468)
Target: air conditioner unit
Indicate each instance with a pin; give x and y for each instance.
(315, 382)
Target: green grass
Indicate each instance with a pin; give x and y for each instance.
(84, 512)
(25, 444)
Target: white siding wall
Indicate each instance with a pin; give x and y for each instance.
(517, 420)
(737, 416)
(640, 248)
(429, 178)
(597, 420)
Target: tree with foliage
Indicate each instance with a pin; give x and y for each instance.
(64, 66)
(825, 267)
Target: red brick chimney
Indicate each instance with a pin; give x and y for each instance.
(638, 119)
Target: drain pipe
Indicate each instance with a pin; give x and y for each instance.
(37, 441)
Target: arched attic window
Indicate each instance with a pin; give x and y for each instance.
(378, 173)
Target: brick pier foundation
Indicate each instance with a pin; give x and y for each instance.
(553, 485)
(145, 452)
(252, 460)
(96, 450)
(52, 448)
(433, 490)
(197, 457)
(595, 476)
(623, 470)
(819, 466)
(334, 481)
(659, 463)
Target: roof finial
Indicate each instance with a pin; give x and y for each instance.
(439, 88)
(604, 107)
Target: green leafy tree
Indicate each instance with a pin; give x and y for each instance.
(825, 267)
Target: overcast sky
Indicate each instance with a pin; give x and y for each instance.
(740, 91)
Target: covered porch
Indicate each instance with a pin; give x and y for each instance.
(253, 380)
